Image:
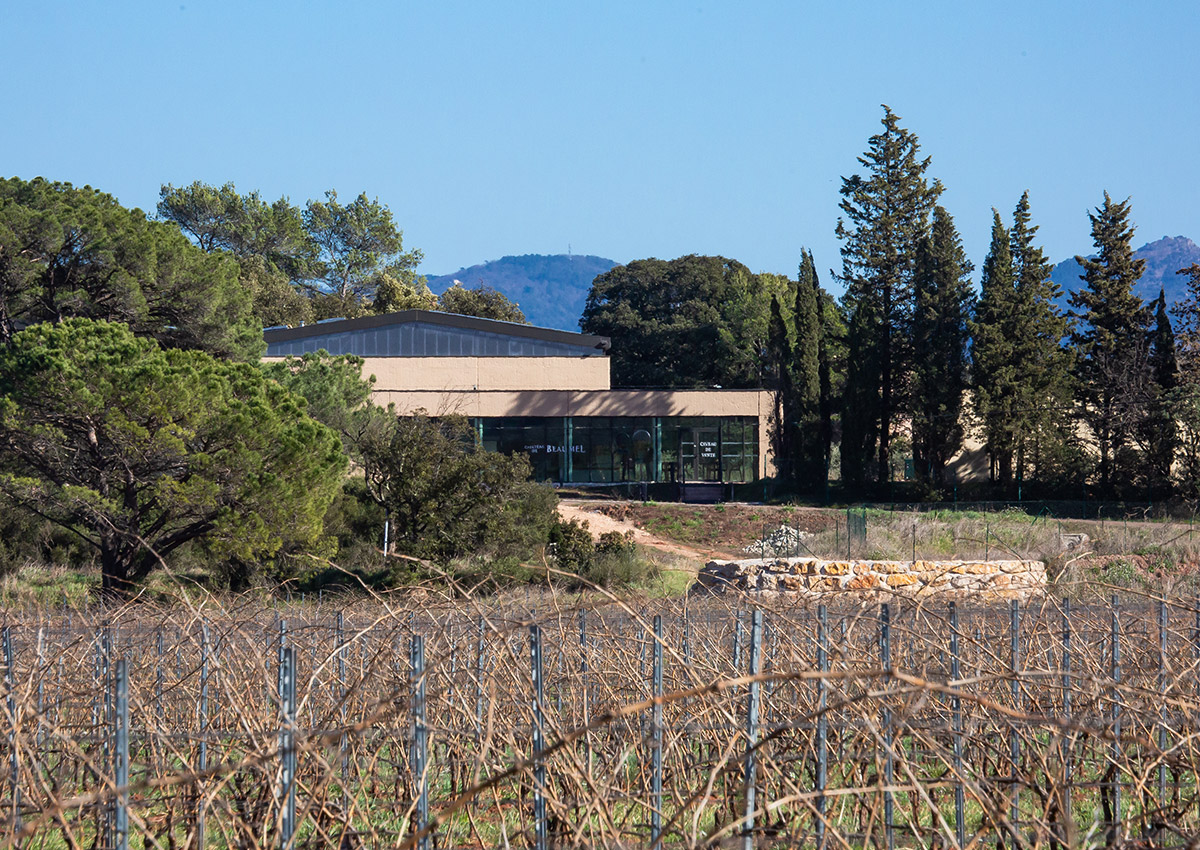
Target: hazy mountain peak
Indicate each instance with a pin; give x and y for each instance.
(551, 289)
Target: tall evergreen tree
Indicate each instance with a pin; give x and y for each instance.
(1184, 400)
(1021, 373)
(825, 357)
(779, 379)
(1111, 344)
(995, 374)
(1159, 430)
(1046, 446)
(806, 376)
(943, 305)
(886, 215)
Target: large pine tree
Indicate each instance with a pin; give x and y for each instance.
(943, 304)
(885, 217)
(1110, 341)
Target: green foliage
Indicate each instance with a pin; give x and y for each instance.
(943, 304)
(690, 322)
(332, 388)
(1159, 431)
(1022, 373)
(76, 252)
(886, 216)
(1111, 343)
(446, 495)
(482, 301)
(799, 430)
(610, 561)
(139, 451)
(358, 244)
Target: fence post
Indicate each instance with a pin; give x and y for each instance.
(885, 659)
(539, 743)
(1115, 787)
(822, 723)
(287, 744)
(752, 726)
(1162, 703)
(1014, 741)
(479, 679)
(657, 739)
(960, 827)
(737, 642)
(120, 695)
(203, 761)
(10, 683)
(1067, 740)
(420, 740)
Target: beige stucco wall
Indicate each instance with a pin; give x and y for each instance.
(755, 403)
(486, 373)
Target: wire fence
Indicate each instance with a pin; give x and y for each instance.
(559, 723)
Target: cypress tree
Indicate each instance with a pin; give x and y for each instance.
(943, 301)
(1110, 340)
(1184, 399)
(1046, 446)
(806, 376)
(886, 215)
(1160, 434)
(779, 359)
(994, 374)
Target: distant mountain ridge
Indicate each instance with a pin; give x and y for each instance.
(551, 289)
(1164, 257)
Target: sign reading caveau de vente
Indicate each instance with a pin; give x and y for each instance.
(708, 448)
(538, 448)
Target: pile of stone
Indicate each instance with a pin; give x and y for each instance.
(778, 543)
(804, 578)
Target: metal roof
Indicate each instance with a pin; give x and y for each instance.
(426, 333)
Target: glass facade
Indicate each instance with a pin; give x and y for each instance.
(612, 449)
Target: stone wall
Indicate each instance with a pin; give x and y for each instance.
(811, 578)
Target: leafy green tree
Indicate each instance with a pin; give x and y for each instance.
(393, 294)
(269, 242)
(68, 252)
(449, 497)
(482, 302)
(885, 217)
(220, 219)
(943, 306)
(138, 451)
(689, 322)
(333, 388)
(1110, 339)
(356, 242)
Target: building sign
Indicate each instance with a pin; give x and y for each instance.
(708, 449)
(539, 448)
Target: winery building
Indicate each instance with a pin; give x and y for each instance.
(547, 393)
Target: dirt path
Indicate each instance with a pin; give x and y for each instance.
(599, 523)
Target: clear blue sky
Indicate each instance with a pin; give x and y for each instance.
(625, 130)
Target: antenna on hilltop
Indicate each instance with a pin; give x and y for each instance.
(568, 249)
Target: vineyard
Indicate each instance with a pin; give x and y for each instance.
(556, 721)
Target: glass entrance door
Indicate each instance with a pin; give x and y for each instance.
(700, 454)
